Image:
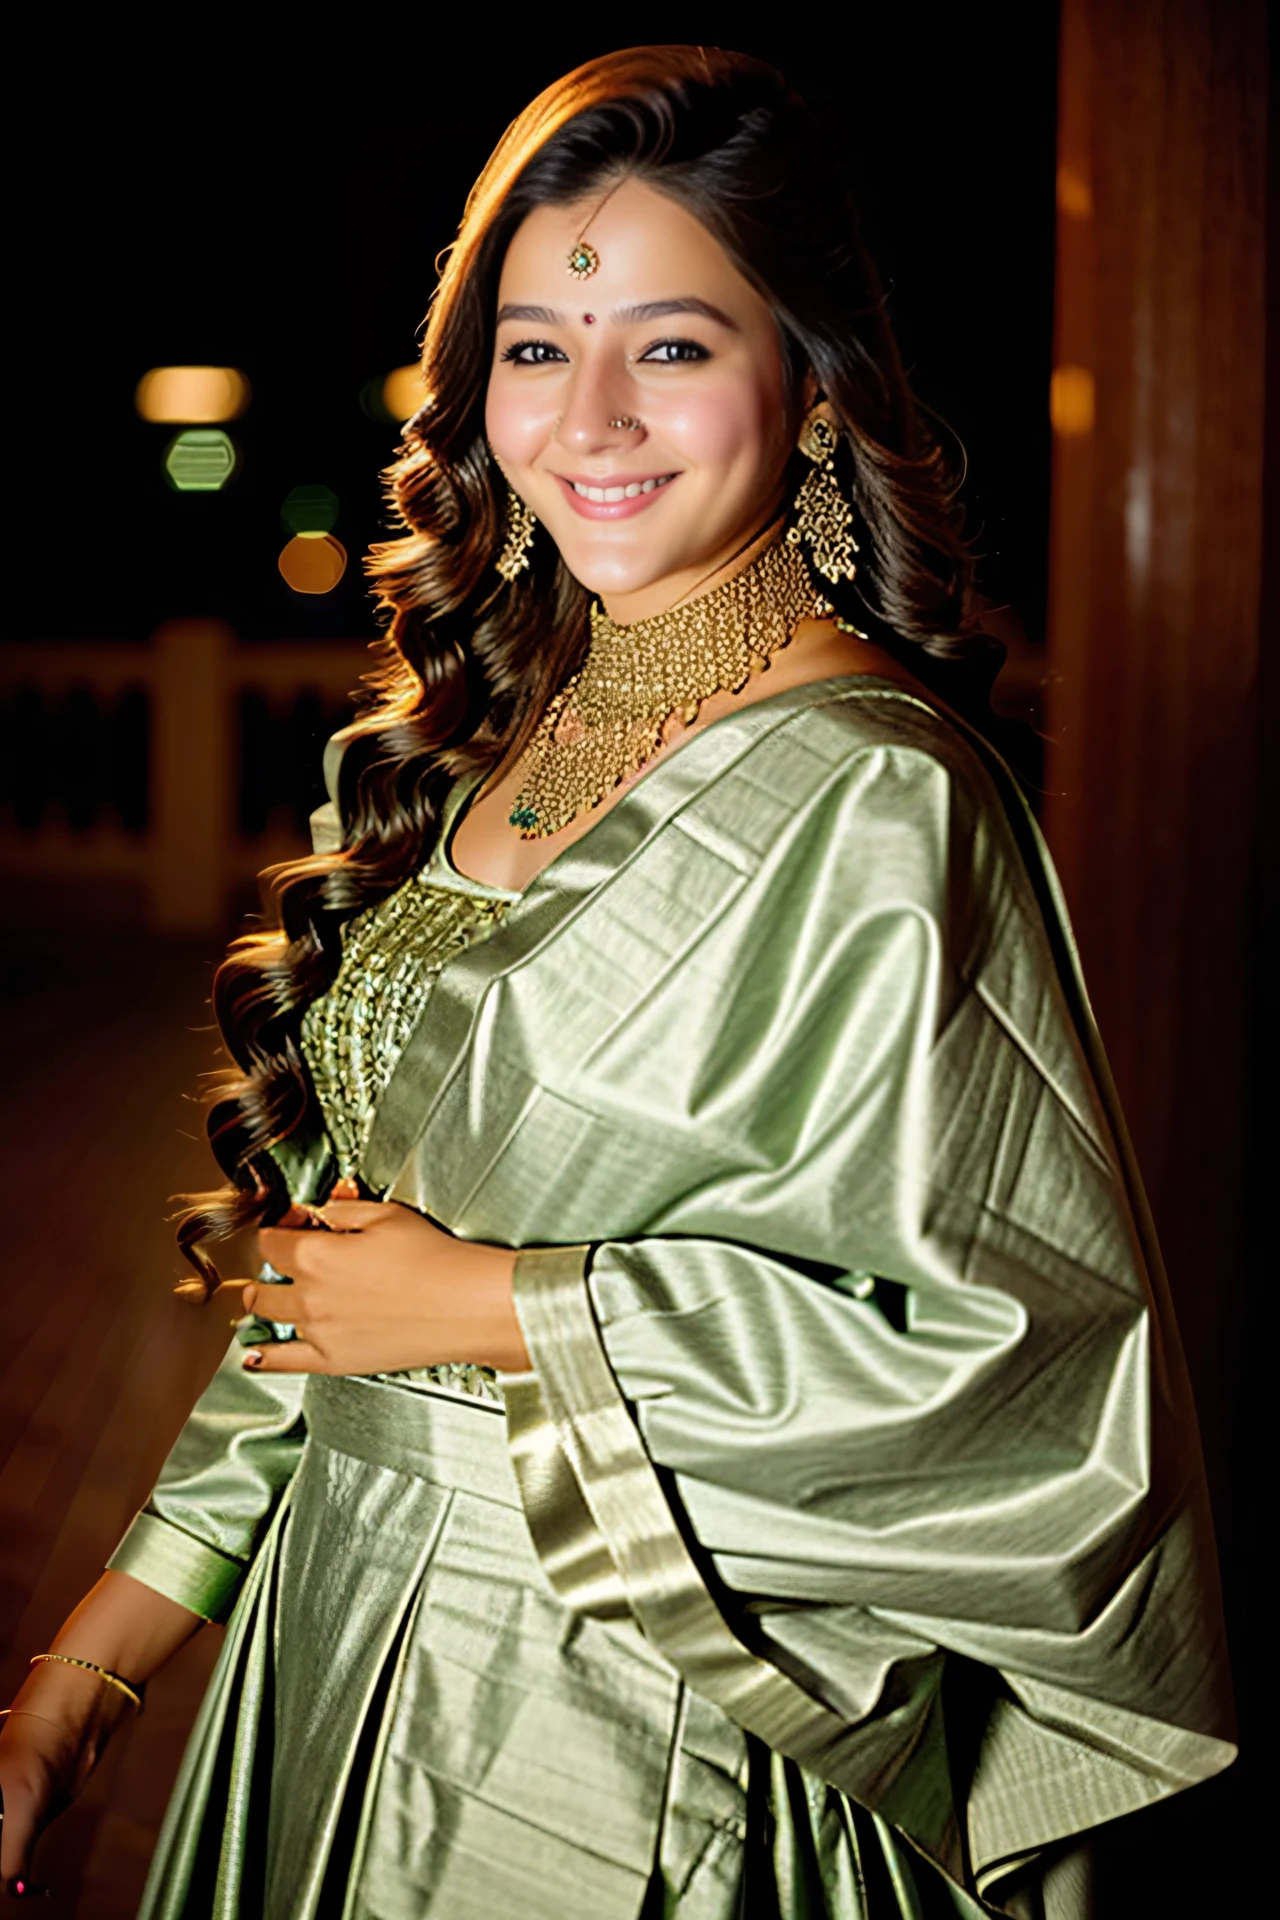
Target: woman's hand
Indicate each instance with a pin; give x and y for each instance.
(383, 1291)
(50, 1742)
(63, 1715)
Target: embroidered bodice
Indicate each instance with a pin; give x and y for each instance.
(354, 1035)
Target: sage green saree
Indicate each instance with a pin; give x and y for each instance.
(845, 1553)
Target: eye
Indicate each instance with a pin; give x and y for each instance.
(666, 353)
(532, 353)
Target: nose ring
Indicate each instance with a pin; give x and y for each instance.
(626, 422)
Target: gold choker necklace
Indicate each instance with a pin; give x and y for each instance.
(608, 719)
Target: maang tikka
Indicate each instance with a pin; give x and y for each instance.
(824, 518)
(513, 556)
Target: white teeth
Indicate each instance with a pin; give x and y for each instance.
(610, 494)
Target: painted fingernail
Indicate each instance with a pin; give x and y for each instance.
(253, 1358)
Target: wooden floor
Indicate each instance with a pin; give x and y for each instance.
(100, 1362)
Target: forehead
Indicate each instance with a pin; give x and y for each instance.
(648, 247)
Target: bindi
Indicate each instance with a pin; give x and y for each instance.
(588, 319)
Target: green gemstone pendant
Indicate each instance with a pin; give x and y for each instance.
(583, 260)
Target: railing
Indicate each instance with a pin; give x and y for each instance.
(181, 766)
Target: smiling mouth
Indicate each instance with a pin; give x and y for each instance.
(606, 496)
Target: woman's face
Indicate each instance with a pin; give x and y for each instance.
(666, 333)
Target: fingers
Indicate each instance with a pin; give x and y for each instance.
(17, 1834)
(285, 1356)
(295, 1250)
(351, 1216)
(273, 1303)
(288, 1252)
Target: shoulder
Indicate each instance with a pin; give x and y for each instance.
(864, 744)
(861, 795)
(858, 715)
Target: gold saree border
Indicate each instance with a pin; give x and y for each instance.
(574, 1554)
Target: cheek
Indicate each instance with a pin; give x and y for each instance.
(733, 423)
(518, 419)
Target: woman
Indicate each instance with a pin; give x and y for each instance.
(729, 1451)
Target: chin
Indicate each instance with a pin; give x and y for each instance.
(617, 573)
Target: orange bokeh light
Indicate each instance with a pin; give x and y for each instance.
(403, 392)
(1071, 401)
(192, 396)
(313, 563)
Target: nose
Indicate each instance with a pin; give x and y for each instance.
(599, 414)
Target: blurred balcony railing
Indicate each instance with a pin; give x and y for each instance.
(155, 780)
(178, 768)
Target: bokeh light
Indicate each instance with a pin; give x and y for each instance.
(372, 404)
(403, 392)
(1071, 401)
(313, 562)
(192, 396)
(201, 460)
(310, 509)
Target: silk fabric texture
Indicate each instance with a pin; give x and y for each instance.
(856, 1469)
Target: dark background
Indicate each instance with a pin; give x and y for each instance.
(280, 211)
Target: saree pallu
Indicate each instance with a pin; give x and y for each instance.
(856, 1390)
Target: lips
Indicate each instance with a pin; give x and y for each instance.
(614, 499)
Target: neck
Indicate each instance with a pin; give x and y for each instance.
(690, 583)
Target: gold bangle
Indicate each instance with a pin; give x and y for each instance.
(91, 1666)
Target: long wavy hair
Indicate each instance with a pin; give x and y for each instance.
(467, 662)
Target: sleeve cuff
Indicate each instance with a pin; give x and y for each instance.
(179, 1566)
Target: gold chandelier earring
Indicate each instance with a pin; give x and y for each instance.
(824, 518)
(513, 557)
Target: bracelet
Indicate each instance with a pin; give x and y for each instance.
(91, 1666)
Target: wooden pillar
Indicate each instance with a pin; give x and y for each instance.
(191, 773)
(1154, 598)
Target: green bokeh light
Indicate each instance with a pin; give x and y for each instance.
(372, 403)
(309, 509)
(200, 460)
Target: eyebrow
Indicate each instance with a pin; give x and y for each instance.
(631, 315)
(541, 316)
(659, 309)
